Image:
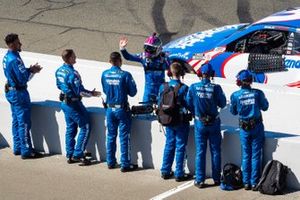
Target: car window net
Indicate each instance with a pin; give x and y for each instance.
(260, 63)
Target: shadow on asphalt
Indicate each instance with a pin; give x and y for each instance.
(3, 142)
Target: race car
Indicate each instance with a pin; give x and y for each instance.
(269, 48)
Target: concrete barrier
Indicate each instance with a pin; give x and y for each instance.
(147, 138)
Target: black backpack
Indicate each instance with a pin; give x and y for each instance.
(273, 179)
(231, 178)
(168, 109)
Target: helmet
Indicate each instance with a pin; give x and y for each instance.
(244, 76)
(206, 69)
(152, 46)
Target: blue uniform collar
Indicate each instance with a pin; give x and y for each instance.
(115, 67)
(246, 87)
(174, 82)
(13, 52)
(205, 80)
(68, 65)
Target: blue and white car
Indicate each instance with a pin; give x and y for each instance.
(270, 48)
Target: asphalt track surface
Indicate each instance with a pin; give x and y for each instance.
(52, 178)
(92, 28)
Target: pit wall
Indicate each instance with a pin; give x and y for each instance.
(147, 136)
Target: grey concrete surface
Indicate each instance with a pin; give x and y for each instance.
(52, 178)
(93, 27)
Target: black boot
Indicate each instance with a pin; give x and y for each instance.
(32, 155)
(254, 188)
(73, 160)
(247, 187)
(166, 176)
(130, 168)
(113, 166)
(199, 184)
(185, 177)
(84, 162)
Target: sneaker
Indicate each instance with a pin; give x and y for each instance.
(254, 188)
(32, 155)
(185, 177)
(247, 187)
(17, 153)
(199, 184)
(130, 168)
(166, 176)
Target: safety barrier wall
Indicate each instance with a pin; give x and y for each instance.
(147, 138)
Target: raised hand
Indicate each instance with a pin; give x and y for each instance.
(36, 68)
(123, 42)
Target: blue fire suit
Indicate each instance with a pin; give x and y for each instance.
(154, 72)
(248, 103)
(17, 76)
(69, 82)
(176, 135)
(117, 85)
(203, 100)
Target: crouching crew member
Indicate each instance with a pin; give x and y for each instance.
(69, 82)
(117, 85)
(203, 100)
(178, 130)
(154, 61)
(16, 93)
(248, 103)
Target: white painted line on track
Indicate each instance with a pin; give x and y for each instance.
(173, 191)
